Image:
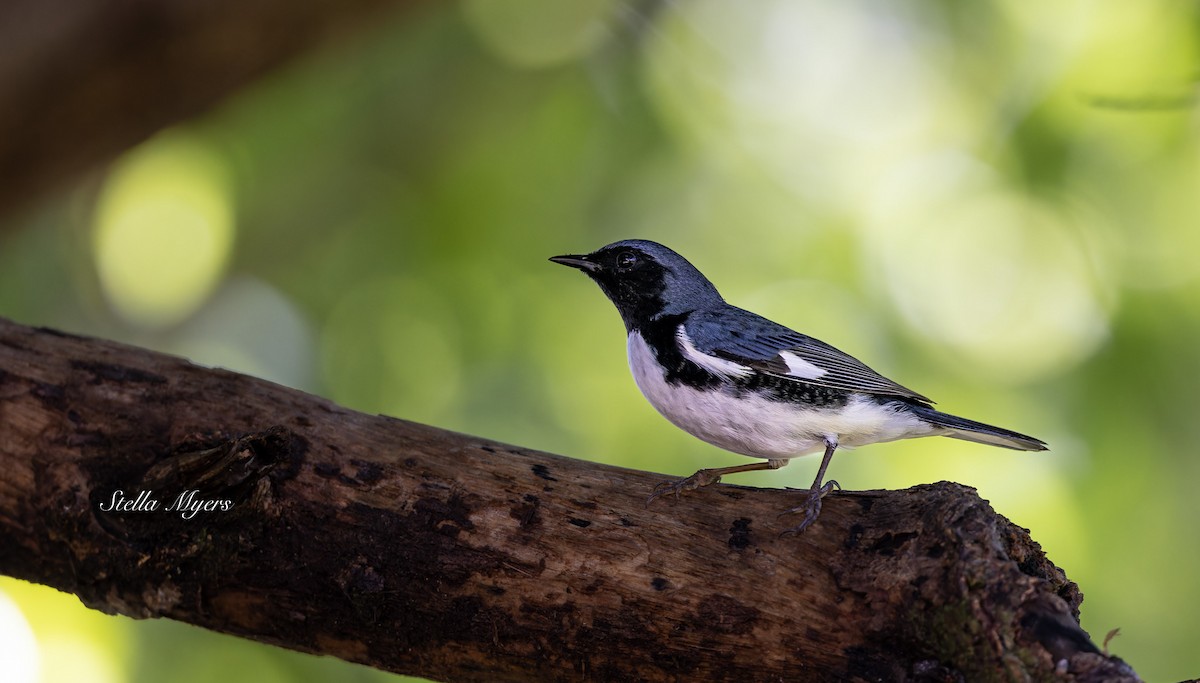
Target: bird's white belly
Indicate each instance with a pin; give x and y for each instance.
(756, 426)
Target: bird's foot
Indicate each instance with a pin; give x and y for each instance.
(811, 507)
(697, 480)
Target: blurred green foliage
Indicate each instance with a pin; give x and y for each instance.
(996, 203)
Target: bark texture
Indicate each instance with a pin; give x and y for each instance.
(422, 551)
(80, 81)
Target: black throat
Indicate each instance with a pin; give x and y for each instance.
(639, 300)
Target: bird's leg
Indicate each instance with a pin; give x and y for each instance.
(711, 476)
(812, 505)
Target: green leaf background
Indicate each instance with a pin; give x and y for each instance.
(996, 203)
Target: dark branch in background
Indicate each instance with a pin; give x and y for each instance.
(81, 81)
(421, 551)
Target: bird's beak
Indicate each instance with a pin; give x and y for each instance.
(580, 262)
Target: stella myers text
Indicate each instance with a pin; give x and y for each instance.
(187, 503)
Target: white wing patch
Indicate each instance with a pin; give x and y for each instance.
(717, 366)
(800, 368)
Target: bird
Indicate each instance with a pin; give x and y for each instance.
(748, 385)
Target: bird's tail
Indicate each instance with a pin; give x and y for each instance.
(970, 430)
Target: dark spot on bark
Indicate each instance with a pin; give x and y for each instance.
(362, 585)
(52, 396)
(301, 421)
(592, 587)
(75, 418)
(463, 615)
(487, 448)
(724, 614)
(867, 664)
(326, 469)
(87, 438)
(935, 551)
(526, 512)
(581, 523)
(495, 590)
(658, 583)
(865, 503)
(447, 517)
(585, 504)
(889, 543)
(1031, 566)
(287, 449)
(626, 522)
(410, 462)
(543, 472)
(739, 534)
(855, 535)
(111, 372)
(368, 472)
(415, 552)
(365, 579)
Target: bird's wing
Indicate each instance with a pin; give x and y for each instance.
(742, 338)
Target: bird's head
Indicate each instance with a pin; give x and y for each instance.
(645, 280)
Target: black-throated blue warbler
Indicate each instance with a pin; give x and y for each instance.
(749, 385)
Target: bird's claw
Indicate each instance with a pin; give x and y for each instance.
(811, 507)
(697, 480)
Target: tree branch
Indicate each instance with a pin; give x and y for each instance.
(81, 80)
(421, 551)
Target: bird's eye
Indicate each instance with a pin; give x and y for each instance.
(626, 260)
